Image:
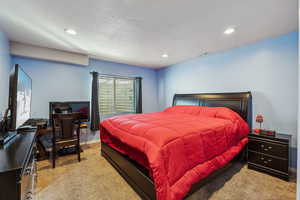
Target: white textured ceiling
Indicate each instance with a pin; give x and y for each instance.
(138, 32)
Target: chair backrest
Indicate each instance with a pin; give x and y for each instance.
(66, 123)
(60, 108)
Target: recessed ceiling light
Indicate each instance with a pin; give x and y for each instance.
(229, 31)
(165, 55)
(70, 31)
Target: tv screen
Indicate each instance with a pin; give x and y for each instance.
(19, 97)
(71, 107)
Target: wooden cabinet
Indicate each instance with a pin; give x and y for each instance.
(269, 154)
(18, 168)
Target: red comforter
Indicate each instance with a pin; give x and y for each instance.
(182, 144)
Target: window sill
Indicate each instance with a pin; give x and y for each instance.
(104, 117)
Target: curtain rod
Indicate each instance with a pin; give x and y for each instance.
(115, 76)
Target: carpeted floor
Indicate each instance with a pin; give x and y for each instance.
(95, 179)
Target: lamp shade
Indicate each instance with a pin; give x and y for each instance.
(259, 118)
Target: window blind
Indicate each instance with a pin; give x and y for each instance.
(116, 95)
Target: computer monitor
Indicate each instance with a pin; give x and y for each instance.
(70, 107)
(20, 92)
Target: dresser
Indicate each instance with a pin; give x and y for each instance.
(269, 154)
(18, 168)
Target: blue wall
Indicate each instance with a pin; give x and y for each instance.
(54, 81)
(269, 69)
(5, 66)
(298, 158)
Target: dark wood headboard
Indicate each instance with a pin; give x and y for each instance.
(240, 102)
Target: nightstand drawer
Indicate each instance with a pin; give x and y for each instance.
(268, 161)
(273, 149)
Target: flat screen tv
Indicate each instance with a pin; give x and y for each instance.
(20, 91)
(70, 107)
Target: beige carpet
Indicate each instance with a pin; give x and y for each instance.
(95, 179)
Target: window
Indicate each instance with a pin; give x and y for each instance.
(116, 96)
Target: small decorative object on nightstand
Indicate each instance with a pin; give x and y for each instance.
(269, 154)
(259, 119)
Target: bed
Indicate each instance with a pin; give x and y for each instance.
(169, 165)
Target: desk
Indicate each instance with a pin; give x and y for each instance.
(43, 154)
(18, 167)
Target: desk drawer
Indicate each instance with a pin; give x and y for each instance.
(268, 161)
(28, 177)
(273, 149)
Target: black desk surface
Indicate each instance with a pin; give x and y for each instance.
(14, 153)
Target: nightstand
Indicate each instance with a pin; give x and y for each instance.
(269, 154)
